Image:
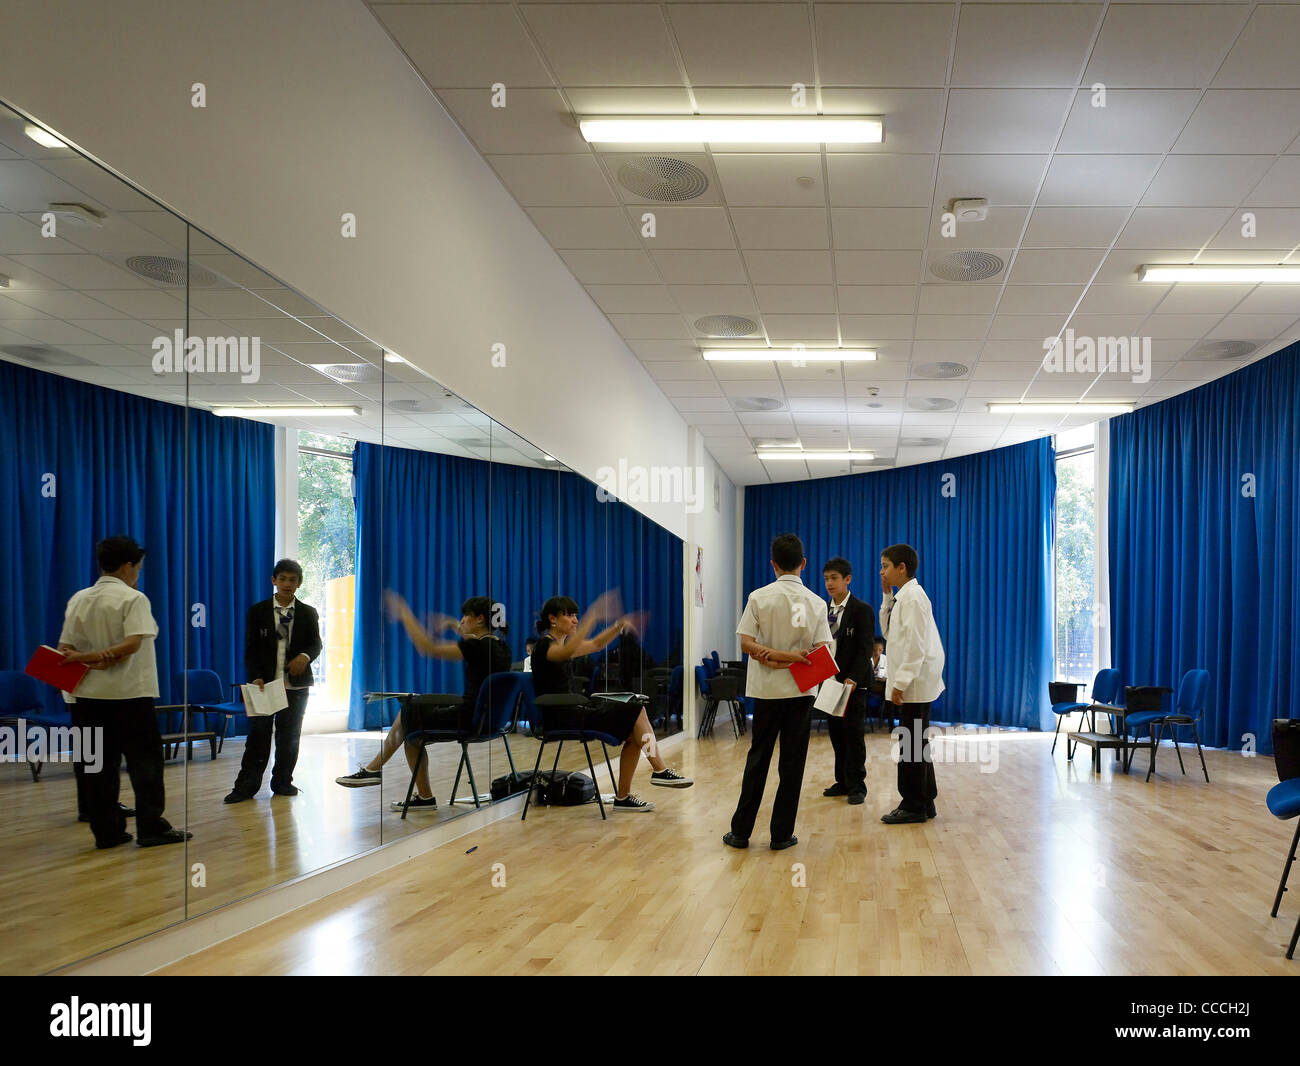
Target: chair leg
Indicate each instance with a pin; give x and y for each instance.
(1056, 734)
(1286, 871)
(533, 781)
(419, 760)
(591, 766)
(1173, 735)
(1196, 735)
(556, 765)
(469, 769)
(1155, 740)
(1295, 935)
(455, 785)
(509, 758)
(212, 744)
(610, 767)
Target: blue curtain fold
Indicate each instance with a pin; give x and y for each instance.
(985, 562)
(1204, 507)
(81, 463)
(438, 529)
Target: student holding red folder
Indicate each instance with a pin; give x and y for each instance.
(783, 623)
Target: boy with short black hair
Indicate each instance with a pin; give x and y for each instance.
(913, 679)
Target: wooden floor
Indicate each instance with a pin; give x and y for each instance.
(64, 900)
(1035, 868)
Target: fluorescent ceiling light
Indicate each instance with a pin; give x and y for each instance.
(789, 355)
(694, 129)
(43, 137)
(800, 456)
(393, 357)
(286, 412)
(1222, 275)
(1060, 408)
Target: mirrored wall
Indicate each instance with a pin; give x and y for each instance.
(315, 514)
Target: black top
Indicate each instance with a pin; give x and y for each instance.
(261, 641)
(483, 656)
(854, 643)
(550, 678)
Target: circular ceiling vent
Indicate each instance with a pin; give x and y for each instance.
(757, 403)
(43, 355)
(920, 442)
(350, 371)
(171, 271)
(726, 326)
(1223, 350)
(662, 178)
(966, 266)
(940, 370)
(877, 462)
(931, 403)
(411, 405)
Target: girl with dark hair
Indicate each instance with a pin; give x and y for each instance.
(482, 652)
(565, 638)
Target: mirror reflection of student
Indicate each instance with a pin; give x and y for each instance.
(110, 627)
(281, 639)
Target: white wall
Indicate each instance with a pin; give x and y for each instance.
(312, 112)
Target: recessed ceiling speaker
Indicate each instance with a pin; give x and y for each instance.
(411, 405)
(42, 355)
(662, 178)
(1222, 350)
(931, 403)
(966, 266)
(471, 442)
(880, 460)
(920, 442)
(757, 403)
(726, 326)
(350, 372)
(940, 370)
(169, 271)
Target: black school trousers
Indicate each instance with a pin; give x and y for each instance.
(127, 728)
(849, 745)
(789, 721)
(916, 783)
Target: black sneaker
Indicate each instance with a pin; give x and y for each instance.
(631, 803)
(172, 836)
(288, 790)
(930, 812)
(361, 778)
(835, 790)
(670, 778)
(418, 803)
(237, 797)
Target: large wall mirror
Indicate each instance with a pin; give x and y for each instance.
(314, 512)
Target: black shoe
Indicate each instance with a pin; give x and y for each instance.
(125, 838)
(123, 809)
(781, 845)
(930, 812)
(236, 796)
(172, 836)
(733, 841)
(286, 790)
(857, 798)
(898, 816)
(835, 790)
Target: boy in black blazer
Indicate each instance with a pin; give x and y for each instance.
(853, 629)
(281, 639)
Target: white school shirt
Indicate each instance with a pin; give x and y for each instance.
(770, 618)
(882, 667)
(282, 646)
(916, 656)
(104, 615)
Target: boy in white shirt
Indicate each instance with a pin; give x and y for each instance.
(913, 679)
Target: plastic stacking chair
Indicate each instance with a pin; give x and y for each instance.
(547, 732)
(21, 697)
(205, 696)
(674, 706)
(1193, 691)
(1284, 802)
(1105, 687)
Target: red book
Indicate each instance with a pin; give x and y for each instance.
(820, 666)
(47, 665)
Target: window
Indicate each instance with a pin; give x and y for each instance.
(327, 540)
(1076, 533)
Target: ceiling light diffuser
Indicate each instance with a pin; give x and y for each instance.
(1060, 408)
(1218, 274)
(286, 412)
(800, 456)
(746, 129)
(43, 137)
(789, 355)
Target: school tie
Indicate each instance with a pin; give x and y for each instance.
(833, 614)
(285, 619)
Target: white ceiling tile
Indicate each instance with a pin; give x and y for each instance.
(537, 180)
(1097, 180)
(745, 376)
(584, 227)
(469, 45)
(677, 390)
(872, 328)
(1201, 299)
(701, 267)
(1054, 266)
(27, 186)
(144, 303)
(1274, 226)
(1205, 180)
(1074, 227)
(696, 300)
(1263, 56)
(1242, 121)
(750, 44)
(879, 180)
(1132, 120)
(781, 227)
(61, 303)
(1031, 44)
(699, 405)
(1039, 299)
(913, 117)
(883, 44)
(789, 267)
(687, 227)
(81, 271)
(879, 227)
(1131, 299)
(1270, 300)
(951, 327)
(1004, 120)
(535, 120)
(1191, 327)
(1172, 45)
(878, 299)
(1003, 180)
(1109, 325)
(664, 351)
(877, 267)
(620, 100)
(650, 327)
(793, 328)
(1279, 186)
(1025, 327)
(1253, 327)
(604, 44)
(633, 299)
(769, 180)
(613, 266)
(796, 299)
(1001, 229)
(1172, 227)
(959, 351)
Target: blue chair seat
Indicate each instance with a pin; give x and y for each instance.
(1284, 799)
(1069, 708)
(1146, 717)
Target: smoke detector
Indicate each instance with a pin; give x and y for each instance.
(973, 210)
(79, 214)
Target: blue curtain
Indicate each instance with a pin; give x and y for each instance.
(81, 463)
(1204, 508)
(517, 534)
(985, 561)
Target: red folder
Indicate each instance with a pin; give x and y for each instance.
(820, 666)
(47, 665)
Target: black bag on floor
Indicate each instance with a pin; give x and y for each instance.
(569, 790)
(1286, 747)
(510, 784)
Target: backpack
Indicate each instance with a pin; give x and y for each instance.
(511, 784)
(567, 790)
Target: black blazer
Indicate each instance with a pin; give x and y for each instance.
(261, 641)
(854, 643)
